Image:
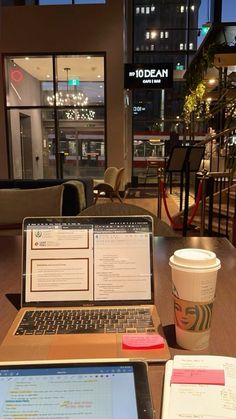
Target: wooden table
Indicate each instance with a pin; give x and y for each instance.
(223, 330)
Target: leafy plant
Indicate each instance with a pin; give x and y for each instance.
(195, 86)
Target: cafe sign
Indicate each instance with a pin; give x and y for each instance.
(149, 76)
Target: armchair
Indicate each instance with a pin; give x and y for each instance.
(110, 186)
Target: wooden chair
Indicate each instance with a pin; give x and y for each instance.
(110, 187)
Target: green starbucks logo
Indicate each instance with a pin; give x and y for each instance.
(38, 234)
(193, 316)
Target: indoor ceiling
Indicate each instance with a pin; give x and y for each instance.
(82, 67)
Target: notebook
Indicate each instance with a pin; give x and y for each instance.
(82, 268)
(110, 390)
(199, 386)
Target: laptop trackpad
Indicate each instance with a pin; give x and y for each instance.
(83, 346)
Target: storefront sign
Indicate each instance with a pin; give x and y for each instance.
(149, 76)
(138, 109)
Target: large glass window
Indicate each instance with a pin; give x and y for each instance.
(56, 115)
(228, 12)
(168, 35)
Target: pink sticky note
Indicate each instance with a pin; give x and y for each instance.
(142, 341)
(198, 376)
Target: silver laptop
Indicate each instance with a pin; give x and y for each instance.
(87, 282)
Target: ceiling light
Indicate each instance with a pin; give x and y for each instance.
(98, 76)
(211, 81)
(26, 58)
(68, 98)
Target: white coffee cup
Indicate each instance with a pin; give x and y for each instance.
(194, 275)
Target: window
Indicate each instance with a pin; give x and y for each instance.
(164, 34)
(169, 24)
(49, 117)
(228, 12)
(145, 9)
(153, 34)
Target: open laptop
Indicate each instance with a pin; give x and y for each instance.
(107, 390)
(81, 268)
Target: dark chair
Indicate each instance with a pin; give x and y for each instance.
(160, 227)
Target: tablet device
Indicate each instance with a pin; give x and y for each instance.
(96, 390)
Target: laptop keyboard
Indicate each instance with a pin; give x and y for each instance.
(52, 322)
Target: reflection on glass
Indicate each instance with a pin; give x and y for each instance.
(82, 148)
(25, 77)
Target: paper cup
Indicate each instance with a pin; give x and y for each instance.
(194, 275)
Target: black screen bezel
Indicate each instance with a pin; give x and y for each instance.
(140, 371)
(84, 220)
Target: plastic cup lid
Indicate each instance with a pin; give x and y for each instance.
(195, 258)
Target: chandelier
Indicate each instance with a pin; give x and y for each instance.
(80, 114)
(73, 98)
(68, 99)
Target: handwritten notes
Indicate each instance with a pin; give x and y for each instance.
(200, 387)
(142, 341)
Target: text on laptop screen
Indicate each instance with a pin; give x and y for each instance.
(101, 392)
(83, 260)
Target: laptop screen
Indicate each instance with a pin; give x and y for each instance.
(87, 261)
(101, 391)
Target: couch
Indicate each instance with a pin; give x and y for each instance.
(43, 197)
(77, 194)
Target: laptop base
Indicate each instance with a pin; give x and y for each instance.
(80, 346)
